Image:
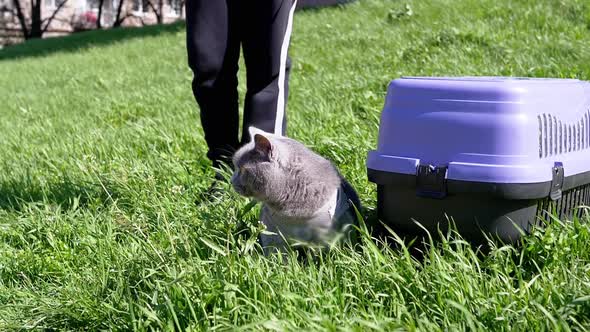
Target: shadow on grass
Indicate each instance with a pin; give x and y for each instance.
(82, 40)
(319, 4)
(17, 194)
(420, 243)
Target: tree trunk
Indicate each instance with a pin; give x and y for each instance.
(159, 12)
(98, 23)
(118, 19)
(160, 15)
(21, 19)
(36, 30)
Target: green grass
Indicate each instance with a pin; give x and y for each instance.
(102, 157)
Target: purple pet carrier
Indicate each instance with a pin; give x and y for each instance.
(491, 154)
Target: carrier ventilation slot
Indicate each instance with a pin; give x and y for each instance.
(566, 207)
(557, 138)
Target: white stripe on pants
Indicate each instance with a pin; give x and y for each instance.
(281, 81)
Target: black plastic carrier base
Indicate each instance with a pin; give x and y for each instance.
(501, 211)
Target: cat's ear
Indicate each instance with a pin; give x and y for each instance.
(262, 145)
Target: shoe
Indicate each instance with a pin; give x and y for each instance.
(212, 194)
(223, 169)
(216, 188)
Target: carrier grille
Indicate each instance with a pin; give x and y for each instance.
(557, 138)
(567, 206)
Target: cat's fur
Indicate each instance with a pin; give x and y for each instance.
(304, 197)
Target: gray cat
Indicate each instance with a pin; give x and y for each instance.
(304, 197)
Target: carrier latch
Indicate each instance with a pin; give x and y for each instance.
(557, 181)
(431, 181)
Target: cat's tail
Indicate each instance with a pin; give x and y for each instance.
(352, 196)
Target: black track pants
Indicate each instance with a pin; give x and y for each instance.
(215, 31)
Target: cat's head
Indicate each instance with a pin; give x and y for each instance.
(257, 165)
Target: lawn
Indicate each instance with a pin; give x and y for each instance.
(102, 158)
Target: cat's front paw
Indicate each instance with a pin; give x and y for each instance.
(272, 243)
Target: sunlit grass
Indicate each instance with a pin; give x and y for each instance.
(102, 158)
